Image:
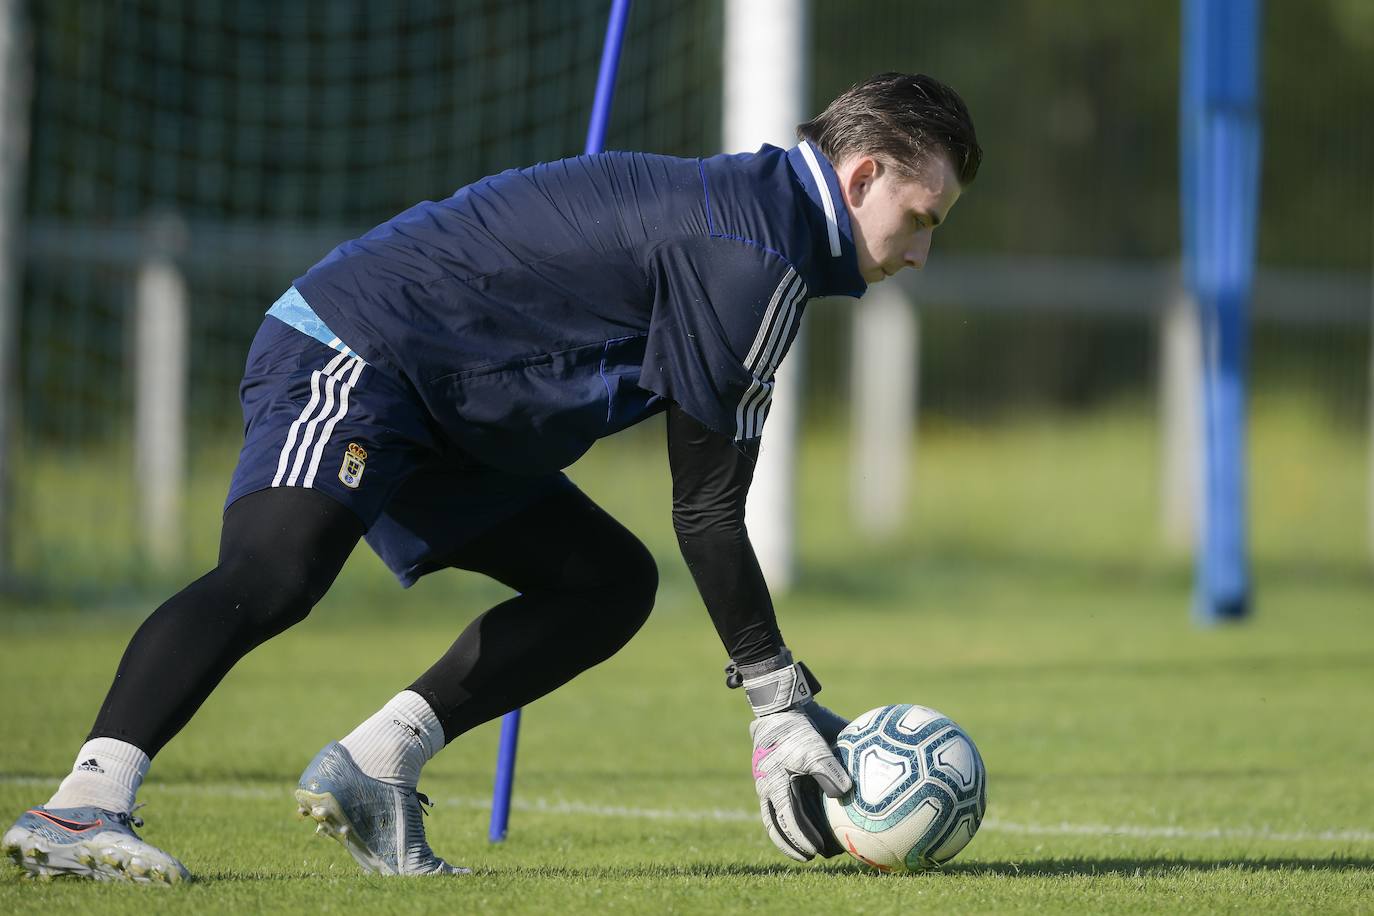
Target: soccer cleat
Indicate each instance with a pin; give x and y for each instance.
(378, 823)
(88, 843)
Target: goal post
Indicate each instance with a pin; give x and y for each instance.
(161, 343)
(765, 91)
(1180, 418)
(884, 359)
(14, 142)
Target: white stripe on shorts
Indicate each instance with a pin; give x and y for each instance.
(344, 389)
(310, 419)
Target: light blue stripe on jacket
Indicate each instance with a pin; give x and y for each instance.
(295, 311)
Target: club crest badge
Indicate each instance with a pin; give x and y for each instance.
(354, 461)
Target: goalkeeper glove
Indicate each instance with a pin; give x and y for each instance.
(792, 759)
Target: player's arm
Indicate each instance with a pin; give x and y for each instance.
(711, 477)
(792, 733)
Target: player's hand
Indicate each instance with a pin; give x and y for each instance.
(792, 754)
(827, 722)
(788, 750)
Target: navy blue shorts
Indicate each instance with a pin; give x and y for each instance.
(318, 417)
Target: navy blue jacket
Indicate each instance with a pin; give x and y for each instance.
(540, 309)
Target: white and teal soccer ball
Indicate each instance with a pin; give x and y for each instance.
(920, 789)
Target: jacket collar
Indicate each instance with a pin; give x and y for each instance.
(835, 260)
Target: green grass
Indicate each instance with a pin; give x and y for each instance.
(1136, 762)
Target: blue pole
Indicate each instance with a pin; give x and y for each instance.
(596, 141)
(1220, 152)
(605, 79)
(505, 777)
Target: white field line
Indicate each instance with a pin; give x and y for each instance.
(581, 809)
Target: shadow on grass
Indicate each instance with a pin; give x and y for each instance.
(1043, 868)
(577, 874)
(1158, 867)
(1154, 867)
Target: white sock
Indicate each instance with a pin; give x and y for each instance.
(106, 774)
(397, 740)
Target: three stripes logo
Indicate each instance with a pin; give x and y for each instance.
(90, 766)
(775, 332)
(305, 440)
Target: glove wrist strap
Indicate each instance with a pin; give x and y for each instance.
(775, 684)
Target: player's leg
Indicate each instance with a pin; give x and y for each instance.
(586, 586)
(279, 552)
(310, 406)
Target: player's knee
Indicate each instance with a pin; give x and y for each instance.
(635, 586)
(282, 609)
(270, 597)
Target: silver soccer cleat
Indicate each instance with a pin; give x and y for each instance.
(378, 823)
(88, 843)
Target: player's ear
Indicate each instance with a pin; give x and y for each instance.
(858, 176)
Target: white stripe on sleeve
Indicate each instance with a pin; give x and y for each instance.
(779, 322)
(770, 316)
(782, 329)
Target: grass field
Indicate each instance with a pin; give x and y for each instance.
(1136, 762)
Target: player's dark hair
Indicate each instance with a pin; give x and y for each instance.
(901, 119)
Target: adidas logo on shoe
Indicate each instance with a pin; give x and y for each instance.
(91, 766)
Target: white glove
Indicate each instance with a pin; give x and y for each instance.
(787, 750)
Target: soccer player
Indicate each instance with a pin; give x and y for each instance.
(424, 386)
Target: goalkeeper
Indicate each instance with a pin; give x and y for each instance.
(423, 387)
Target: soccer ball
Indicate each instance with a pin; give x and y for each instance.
(920, 789)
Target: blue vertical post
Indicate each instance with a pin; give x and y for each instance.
(1220, 153)
(596, 140)
(505, 777)
(605, 78)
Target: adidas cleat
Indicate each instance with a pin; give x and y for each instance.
(378, 823)
(88, 843)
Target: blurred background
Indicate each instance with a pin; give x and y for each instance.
(206, 154)
(1007, 535)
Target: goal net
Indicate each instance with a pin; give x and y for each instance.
(187, 161)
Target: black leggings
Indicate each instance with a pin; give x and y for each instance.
(586, 586)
